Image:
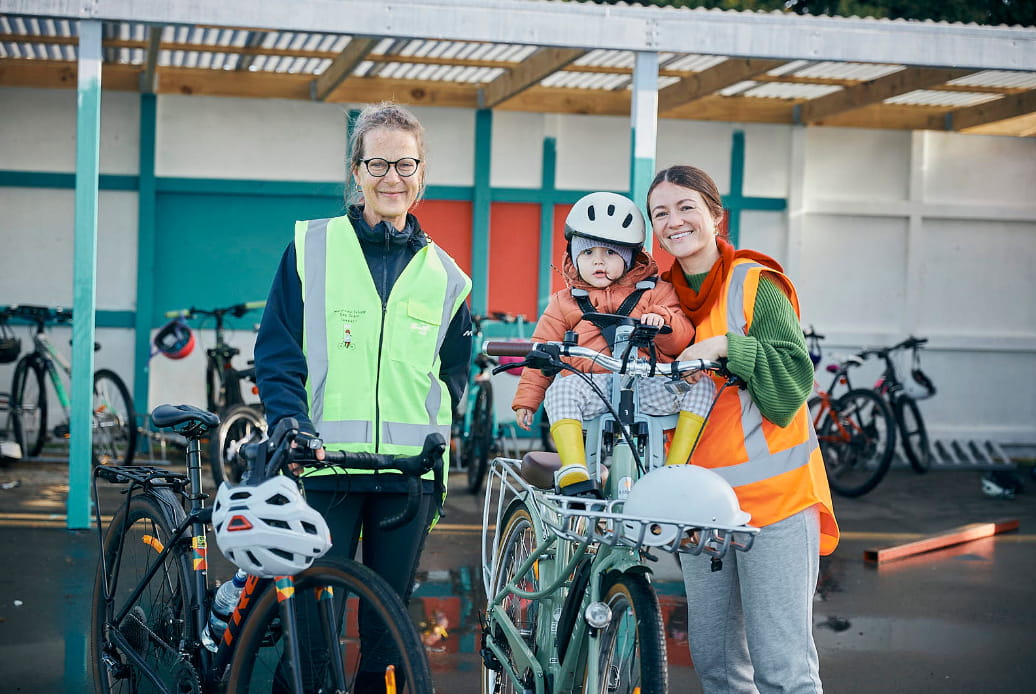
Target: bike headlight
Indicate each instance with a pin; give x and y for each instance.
(598, 615)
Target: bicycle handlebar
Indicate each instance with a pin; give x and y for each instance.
(635, 367)
(236, 310)
(40, 315)
(268, 458)
(883, 352)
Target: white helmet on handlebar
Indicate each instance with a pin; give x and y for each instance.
(608, 217)
(690, 495)
(268, 529)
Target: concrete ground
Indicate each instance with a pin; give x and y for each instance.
(956, 620)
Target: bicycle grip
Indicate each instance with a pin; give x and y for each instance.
(255, 304)
(178, 313)
(500, 348)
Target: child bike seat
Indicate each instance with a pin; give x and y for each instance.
(538, 468)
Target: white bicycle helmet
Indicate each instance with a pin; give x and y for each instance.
(689, 495)
(607, 217)
(268, 529)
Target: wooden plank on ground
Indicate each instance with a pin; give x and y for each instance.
(965, 533)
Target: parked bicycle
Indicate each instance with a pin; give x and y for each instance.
(114, 427)
(571, 607)
(902, 395)
(152, 599)
(477, 432)
(240, 423)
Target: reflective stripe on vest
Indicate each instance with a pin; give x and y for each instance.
(373, 382)
(775, 471)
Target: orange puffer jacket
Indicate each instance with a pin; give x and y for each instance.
(563, 314)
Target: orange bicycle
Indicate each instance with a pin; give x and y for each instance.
(856, 430)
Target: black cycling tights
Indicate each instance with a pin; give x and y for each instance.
(393, 554)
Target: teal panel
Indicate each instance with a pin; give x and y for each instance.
(218, 250)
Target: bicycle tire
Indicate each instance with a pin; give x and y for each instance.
(516, 543)
(639, 665)
(114, 420)
(215, 389)
(260, 644)
(29, 405)
(480, 439)
(857, 439)
(158, 622)
(241, 425)
(913, 433)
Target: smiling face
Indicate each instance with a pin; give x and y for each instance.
(599, 267)
(684, 225)
(390, 197)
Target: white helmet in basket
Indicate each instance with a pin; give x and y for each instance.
(690, 495)
(268, 529)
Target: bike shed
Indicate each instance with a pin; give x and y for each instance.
(492, 57)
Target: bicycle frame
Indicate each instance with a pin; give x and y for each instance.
(52, 359)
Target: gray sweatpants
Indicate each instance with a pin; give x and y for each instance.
(750, 625)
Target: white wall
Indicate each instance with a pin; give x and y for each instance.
(888, 233)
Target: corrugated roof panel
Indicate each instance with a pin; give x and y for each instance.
(847, 71)
(784, 90)
(694, 63)
(363, 68)
(998, 78)
(931, 97)
(664, 81)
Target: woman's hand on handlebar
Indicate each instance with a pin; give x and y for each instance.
(296, 468)
(523, 416)
(711, 349)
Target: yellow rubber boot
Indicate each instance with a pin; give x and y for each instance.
(568, 437)
(688, 427)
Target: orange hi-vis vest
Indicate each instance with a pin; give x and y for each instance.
(775, 471)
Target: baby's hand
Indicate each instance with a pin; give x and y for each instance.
(652, 319)
(524, 415)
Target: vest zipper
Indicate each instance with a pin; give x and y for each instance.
(381, 343)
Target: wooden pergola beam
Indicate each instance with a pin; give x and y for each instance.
(874, 91)
(707, 82)
(342, 67)
(1009, 106)
(527, 73)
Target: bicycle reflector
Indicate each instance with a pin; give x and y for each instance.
(175, 339)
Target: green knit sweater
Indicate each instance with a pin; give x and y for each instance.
(772, 359)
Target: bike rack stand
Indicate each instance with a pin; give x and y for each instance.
(970, 454)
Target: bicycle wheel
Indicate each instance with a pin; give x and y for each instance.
(517, 542)
(29, 405)
(241, 425)
(914, 433)
(115, 423)
(215, 391)
(374, 631)
(154, 627)
(857, 438)
(633, 651)
(480, 439)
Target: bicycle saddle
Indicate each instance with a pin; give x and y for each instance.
(184, 419)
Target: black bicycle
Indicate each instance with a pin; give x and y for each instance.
(240, 423)
(152, 599)
(902, 395)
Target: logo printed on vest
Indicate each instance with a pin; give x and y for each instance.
(348, 316)
(347, 337)
(421, 328)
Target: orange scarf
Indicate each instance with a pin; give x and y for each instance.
(698, 304)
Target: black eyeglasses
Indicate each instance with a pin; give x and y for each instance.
(378, 167)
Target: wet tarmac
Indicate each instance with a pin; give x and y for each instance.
(960, 619)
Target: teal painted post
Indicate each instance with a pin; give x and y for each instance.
(146, 201)
(84, 288)
(481, 202)
(548, 178)
(644, 127)
(737, 186)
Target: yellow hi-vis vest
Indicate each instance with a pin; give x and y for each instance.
(373, 383)
(775, 471)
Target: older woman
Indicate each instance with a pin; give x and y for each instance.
(366, 340)
(750, 624)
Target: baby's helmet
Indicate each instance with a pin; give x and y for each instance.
(607, 217)
(175, 339)
(268, 529)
